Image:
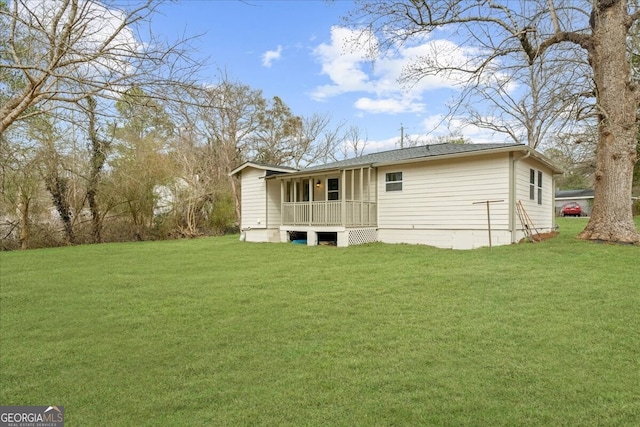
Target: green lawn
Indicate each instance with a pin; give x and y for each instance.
(218, 332)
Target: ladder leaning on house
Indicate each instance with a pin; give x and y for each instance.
(527, 223)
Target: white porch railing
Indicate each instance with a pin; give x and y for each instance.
(346, 213)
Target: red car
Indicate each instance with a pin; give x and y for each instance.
(571, 209)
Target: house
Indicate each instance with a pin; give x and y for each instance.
(582, 197)
(433, 194)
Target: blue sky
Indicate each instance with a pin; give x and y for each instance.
(298, 50)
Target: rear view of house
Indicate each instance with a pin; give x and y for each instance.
(434, 195)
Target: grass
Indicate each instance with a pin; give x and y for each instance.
(218, 332)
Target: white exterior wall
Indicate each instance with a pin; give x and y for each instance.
(257, 223)
(542, 215)
(274, 215)
(261, 235)
(436, 205)
(253, 205)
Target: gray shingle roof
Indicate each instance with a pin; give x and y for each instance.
(565, 194)
(403, 154)
(271, 169)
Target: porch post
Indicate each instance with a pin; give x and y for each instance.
(282, 208)
(369, 196)
(295, 190)
(375, 192)
(353, 198)
(361, 196)
(310, 185)
(343, 204)
(294, 198)
(326, 197)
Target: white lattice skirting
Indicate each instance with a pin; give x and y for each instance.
(360, 236)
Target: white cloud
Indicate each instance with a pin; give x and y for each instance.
(271, 55)
(352, 71)
(343, 68)
(382, 145)
(389, 105)
(440, 125)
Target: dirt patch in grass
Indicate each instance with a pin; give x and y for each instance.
(540, 237)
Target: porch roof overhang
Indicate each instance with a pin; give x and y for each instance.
(269, 168)
(555, 169)
(317, 172)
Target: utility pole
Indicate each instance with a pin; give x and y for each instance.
(401, 136)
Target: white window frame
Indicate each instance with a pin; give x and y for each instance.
(532, 184)
(391, 181)
(335, 191)
(539, 188)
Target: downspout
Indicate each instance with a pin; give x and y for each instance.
(266, 205)
(512, 194)
(282, 197)
(553, 198)
(343, 197)
(310, 190)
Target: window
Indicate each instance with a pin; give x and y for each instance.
(305, 190)
(533, 188)
(539, 187)
(333, 189)
(532, 184)
(393, 181)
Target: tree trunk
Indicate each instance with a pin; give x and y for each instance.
(236, 197)
(96, 219)
(24, 229)
(611, 218)
(98, 157)
(57, 187)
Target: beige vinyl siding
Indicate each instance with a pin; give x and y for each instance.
(273, 203)
(440, 195)
(253, 208)
(541, 214)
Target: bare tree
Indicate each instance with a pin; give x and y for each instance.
(317, 142)
(56, 172)
(140, 160)
(99, 147)
(59, 52)
(228, 123)
(504, 32)
(276, 135)
(20, 191)
(575, 154)
(454, 137)
(354, 143)
(526, 101)
(221, 118)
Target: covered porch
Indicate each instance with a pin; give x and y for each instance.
(346, 198)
